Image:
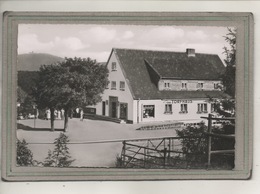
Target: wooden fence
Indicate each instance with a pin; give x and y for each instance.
(167, 152)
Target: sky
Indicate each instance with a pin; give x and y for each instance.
(96, 41)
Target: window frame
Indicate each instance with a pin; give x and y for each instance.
(120, 84)
(184, 108)
(168, 109)
(113, 85)
(185, 85)
(114, 66)
(215, 85)
(202, 108)
(214, 107)
(200, 85)
(144, 109)
(167, 85)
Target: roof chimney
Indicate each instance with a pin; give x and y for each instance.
(190, 52)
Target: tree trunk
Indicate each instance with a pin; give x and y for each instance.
(66, 120)
(52, 119)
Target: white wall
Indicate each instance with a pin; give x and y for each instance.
(191, 116)
(191, 84)
(123, 96)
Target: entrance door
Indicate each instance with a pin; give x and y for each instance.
(104, 108)
(123, 111)
(113, 106)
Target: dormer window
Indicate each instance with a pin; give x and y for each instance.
(166, 85)
(215, 86)
(200, 86)
(184, 86)
(113, 66)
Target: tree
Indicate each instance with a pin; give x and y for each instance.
(71, 84)
(84, 80)
(229, 78)
(45, 91)
(60, 156)
(24, 156)
(21, 95)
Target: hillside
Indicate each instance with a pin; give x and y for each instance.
(33, 61)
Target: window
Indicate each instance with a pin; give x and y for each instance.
(90, 110)
(168, 109)
(202, 108)
(200, 85)
(214, 107)
(122, 86)
(148, 111)
(113, 66)
(184, 86)
(167, 85)
(107, 85)
(215, 86)
(184, 108)
(113, 85)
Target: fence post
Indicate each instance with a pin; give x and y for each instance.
(123, 154)
(209, 139)
(145, 157)
(169, 154)
(164, 156)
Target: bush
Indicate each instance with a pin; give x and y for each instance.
(194, 145)
(60, 156)
(24, 156)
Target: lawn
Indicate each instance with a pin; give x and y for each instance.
(91, 136)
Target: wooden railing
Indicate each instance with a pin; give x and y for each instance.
(167, 152)
(210, 135)
(163, 152)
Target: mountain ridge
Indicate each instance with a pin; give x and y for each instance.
(33, 61)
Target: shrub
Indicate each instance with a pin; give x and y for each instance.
(60, 156)
(24, 156)
(195, 146)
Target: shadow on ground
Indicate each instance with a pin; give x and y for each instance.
(28, 128)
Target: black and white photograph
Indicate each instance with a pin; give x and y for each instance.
(129, 97)
(123, 96)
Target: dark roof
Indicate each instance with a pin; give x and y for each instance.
(167, 64)
(180, 66)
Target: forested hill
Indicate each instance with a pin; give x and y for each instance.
(33, 61)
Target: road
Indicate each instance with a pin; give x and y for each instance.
(86, 137)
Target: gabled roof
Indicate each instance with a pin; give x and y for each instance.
(180, 66)
(167, 64)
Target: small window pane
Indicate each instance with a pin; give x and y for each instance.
(148, 111)
(168, 108)
(113, 66)
(122, 85)
(113, 85)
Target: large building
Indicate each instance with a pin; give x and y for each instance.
(151, 86)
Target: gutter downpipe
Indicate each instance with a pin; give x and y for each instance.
(138, 101)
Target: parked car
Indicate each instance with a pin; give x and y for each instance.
(30, 116)
(20, 117)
